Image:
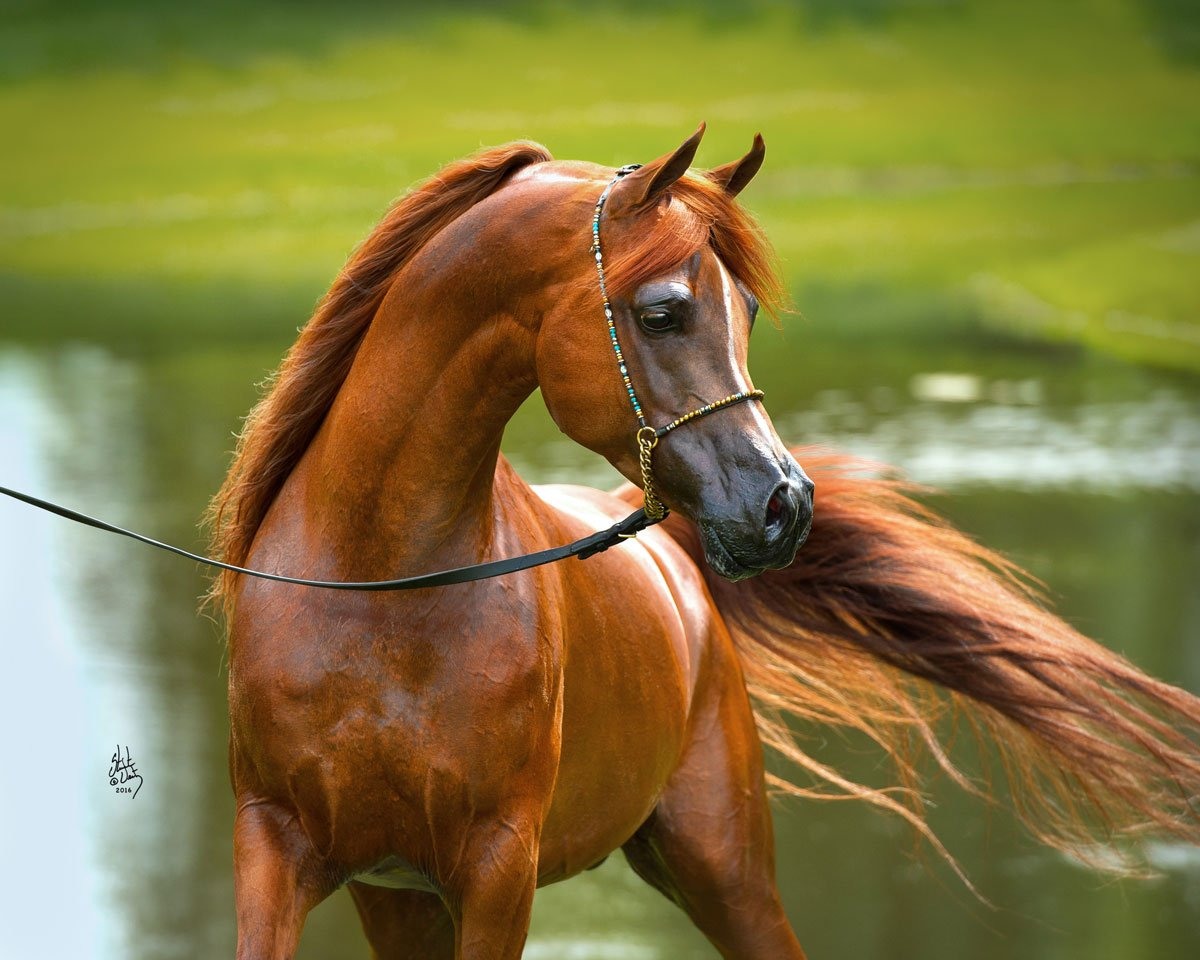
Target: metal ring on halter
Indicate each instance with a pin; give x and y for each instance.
(647, 437)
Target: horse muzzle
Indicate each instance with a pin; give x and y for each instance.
(764, 534)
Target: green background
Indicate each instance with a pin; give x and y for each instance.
(1003, 192)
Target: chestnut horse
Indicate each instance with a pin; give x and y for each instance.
(443, 752)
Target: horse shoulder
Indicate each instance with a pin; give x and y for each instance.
(635, 628)
(667, 584)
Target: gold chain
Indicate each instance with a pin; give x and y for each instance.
(647, 440)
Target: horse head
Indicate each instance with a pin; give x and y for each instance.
(685, 270)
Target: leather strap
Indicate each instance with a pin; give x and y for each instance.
(586, 547)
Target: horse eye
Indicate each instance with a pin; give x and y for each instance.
(657, 321)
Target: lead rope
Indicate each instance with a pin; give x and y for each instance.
(647, 437)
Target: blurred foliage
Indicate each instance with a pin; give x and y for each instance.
(177, 171)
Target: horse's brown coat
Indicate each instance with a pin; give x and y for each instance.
(444, 751)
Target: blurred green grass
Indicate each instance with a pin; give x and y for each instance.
(181, 173)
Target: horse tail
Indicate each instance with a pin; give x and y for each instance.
(891, 622)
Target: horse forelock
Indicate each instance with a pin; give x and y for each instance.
(298, 396)
(696, 213)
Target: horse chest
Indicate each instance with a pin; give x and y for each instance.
(380, 727)
(380, 714)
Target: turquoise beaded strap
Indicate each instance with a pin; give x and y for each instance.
(622, 366)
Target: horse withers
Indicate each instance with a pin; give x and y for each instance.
(443, 752)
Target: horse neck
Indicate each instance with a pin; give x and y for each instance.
(404, 472)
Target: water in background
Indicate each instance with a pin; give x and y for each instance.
(1086, 471)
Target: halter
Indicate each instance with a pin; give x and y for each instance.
(647, 436)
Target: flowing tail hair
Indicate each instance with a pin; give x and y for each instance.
(890, 622)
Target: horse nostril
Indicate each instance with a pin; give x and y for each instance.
(780, 512)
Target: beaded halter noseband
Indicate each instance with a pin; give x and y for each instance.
(647, 436)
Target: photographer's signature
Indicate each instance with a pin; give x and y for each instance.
(122, 773)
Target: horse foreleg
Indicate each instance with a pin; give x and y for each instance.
(708, 845)
(404, 924)
(277, 880)
(492, 899)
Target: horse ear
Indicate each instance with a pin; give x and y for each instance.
(647, 183)
(733, 177)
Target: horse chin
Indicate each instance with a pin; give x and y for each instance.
(723, 561)
(733, 565)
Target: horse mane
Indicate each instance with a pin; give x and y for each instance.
(298, 396)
